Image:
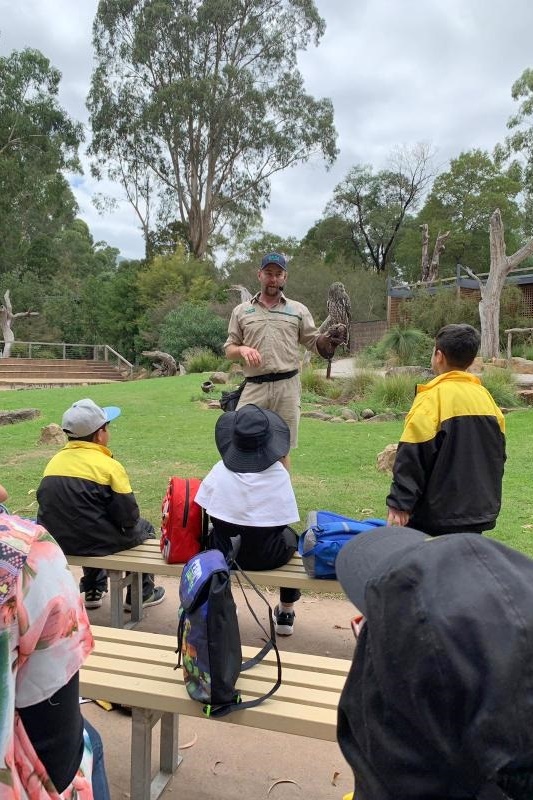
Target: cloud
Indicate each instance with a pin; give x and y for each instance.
(437, 71)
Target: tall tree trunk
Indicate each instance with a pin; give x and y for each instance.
(500, 266)
(435, 258)
(6, 320)
(425, 253)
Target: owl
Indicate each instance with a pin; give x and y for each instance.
(339, 308)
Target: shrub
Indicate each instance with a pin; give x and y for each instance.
(430, 311)
(201, 359)
(501, 384)
(192, 325)
(314, 383)
(406, 346)
(512, 314)
(370, 356)
(359, 385)
(396, 391)
(524, 351)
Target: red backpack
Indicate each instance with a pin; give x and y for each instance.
(183, 526)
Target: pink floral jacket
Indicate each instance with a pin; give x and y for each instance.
(44, 639)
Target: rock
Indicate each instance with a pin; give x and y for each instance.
(52, 434)
(387, 417)
(385, 460)
(522, 365)
(351, 421)
(316, 415)
(236, 369)
(348, 414)
(526, 395)
(219, 377)
(336, 419)
(423, 372)
(214, 404)
(22, 415)
(142, 374)
(367, 413)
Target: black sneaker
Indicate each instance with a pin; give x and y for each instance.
(284, 622)
(157, 596)
(93, 598)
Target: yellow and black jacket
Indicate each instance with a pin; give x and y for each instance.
(86, 502)
(449, 465)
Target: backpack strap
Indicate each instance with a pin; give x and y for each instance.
(205, 536)
(221, 711)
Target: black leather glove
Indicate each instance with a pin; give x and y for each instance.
(329, 341)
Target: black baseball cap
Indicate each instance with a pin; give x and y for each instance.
(274, 258)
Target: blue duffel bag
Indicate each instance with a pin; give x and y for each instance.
(324, 537)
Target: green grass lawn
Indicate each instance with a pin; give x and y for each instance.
(164, 430)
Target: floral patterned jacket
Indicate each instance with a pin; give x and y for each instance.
(44, 639)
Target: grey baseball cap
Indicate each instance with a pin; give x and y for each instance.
(85, 417)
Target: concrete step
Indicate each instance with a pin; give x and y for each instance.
(51, 373)
(25, 383)
(21, 372)
(72, 366)
(55, 362)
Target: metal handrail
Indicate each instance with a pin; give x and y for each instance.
(98, 351)
(120, 359)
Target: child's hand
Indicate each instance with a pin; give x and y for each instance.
(397, 517)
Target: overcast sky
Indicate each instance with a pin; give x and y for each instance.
(398, 72)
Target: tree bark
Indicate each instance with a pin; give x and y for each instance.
(6, 320)
(243, 291)
(167, 367)
(425, 253)
(500, 266)
(435, 258)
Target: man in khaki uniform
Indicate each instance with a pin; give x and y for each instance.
(265, 332)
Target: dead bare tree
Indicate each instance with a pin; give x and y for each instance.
(430, 269)
(6, 320)
(500, 266)
(425, 252)
(167, 364)
(243, 291)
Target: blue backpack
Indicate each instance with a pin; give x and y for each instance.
(209, 643)
(326, 533)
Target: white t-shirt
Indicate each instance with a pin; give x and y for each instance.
(258, 499)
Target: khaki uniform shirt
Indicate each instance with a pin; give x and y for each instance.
(275, 332)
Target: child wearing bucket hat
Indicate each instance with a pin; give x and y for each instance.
(439, 699)
(249, 492)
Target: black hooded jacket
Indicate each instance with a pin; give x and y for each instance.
(439, 699)
(86, 502)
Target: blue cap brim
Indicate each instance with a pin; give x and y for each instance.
(111, 412)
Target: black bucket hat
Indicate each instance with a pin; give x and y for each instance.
(251, 439)
(441, 691)
(371, 554)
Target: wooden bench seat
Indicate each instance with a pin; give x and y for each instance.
(136, 669)
(147, 557)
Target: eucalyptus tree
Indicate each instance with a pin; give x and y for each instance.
(38, 142)
(195, 104)
(375, 205)
(520, 140)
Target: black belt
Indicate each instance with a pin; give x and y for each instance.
(272, 377)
